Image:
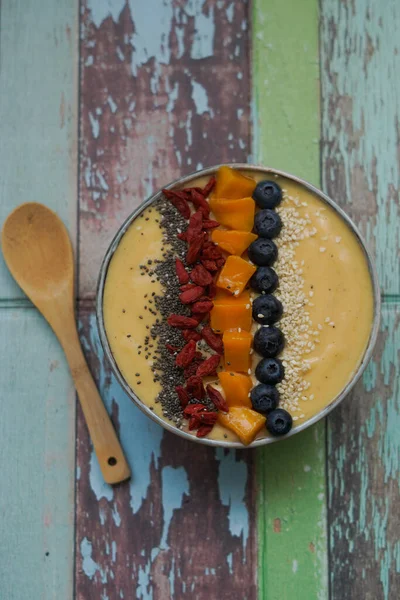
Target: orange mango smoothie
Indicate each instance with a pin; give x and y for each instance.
(321, 307)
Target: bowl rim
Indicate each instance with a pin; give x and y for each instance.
(183, 181)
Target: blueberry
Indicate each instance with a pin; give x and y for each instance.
(267, 309)
(269, 342)
(264, 398)
(264, 280)
(279, 422)
(263, 252)
(267, 223)
(267, 194)
(270, 370)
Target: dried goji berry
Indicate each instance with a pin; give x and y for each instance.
(208, 366)
(217, 398)
(194, 423)
(195, 388)
(182, 236)
(195, 247)
(208, 417)
(179, 200)
(208, 244)
(192, 409)
(211, 253)
(191, 369)
(210, 265)
(200, 203)
(203, 430)
(195, 226)
(208, 188)
(182, 322)
(189, 334)
(182, 395)
(182, 274)
(202, 306)
(187, 286)
(191, 295)
(212, 339)
(220, 262)
(210, 224)
(200, 317)
(186, 355)
(172, 349)
(212, 290)
(200, 275)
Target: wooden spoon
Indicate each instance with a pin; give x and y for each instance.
(38, 252)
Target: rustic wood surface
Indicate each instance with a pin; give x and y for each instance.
(291, 533)
(360, 94)
(158, 98)
(38, 162)
(166, 87)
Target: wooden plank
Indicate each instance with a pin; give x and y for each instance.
(160, 97)
(364, 496)
(38, 139)
(286, 116)
(38, 111)
(37, 447)
(361, 102)
(360, 56)
(182, 528)
(292, 560)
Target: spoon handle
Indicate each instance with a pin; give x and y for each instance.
(108, 450)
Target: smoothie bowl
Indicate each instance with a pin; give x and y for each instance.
(238, 306)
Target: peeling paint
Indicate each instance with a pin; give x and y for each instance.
(232, 481)
(174, 486)
(95, 125)
(102, 9)
(156, 45)
(200, 99)
(88, 564)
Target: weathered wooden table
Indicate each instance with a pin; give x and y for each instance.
(100, 103)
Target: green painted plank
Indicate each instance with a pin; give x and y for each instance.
(292, 541)
(286, 127)
(37, 439)
(38, 111)
(360, 53)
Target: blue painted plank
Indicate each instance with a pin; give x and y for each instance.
(360, 102)
(38, 111)
(360, 54)
(37, 443)
(38, 150)
(364, 465)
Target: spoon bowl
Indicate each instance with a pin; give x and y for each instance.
(40, 271)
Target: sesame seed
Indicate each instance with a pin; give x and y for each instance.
(322, 249)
